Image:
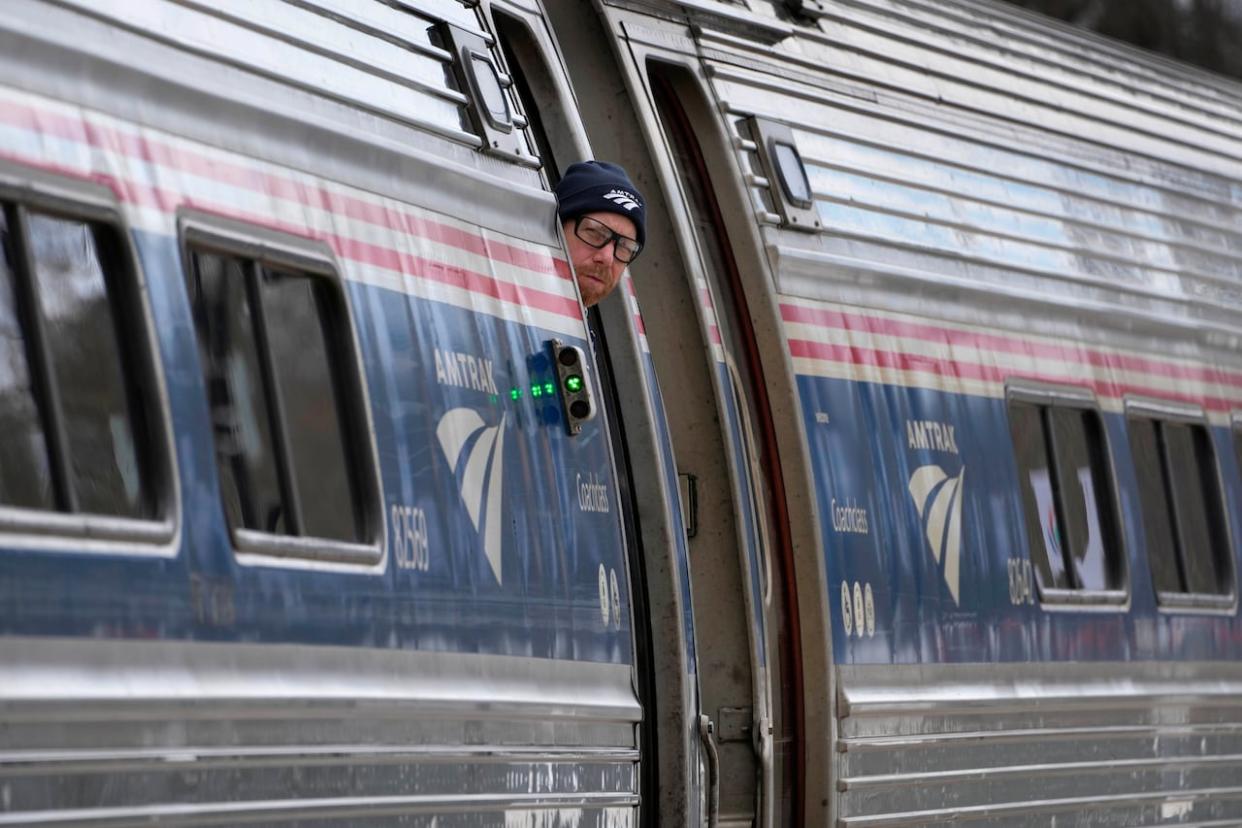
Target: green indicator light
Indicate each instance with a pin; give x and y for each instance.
(573, 384)
(549, 388)
(515, 393)
(536, 390)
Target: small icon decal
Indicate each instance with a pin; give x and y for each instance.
(858, 608)
(616, 598)
(869, 609)
(847, 609)
(603, 595)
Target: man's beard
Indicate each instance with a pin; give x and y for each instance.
(596, 282)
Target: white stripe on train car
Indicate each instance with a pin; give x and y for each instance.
(384, 241)
(631, 298)
(844, 342)
(960, 360)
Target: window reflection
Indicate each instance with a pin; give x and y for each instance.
(86, 360)
(239, 416)
(271, 342)
(299, 343)
(25, 476)
(1038, 502)
(1183, 507)
(1065, 478)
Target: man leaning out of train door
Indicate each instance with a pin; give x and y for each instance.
(604, 219)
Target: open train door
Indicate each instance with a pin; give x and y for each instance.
(674, 737)
(714, 330)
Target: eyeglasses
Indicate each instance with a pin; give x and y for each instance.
(597, 235)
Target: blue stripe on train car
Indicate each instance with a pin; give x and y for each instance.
(884, 574)
(540, 594)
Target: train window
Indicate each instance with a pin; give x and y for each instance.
(1237, 443)
(1183, 506)
(25, 470)
(1026, 427)
(788, 163)
(485, 81)
(1189, 455)
(85, 356)
(1082, 477)
(239, 415)
(778, 153)
(1068, 496)
(1157, 517)
(274, 345)
(75, 419)
(297, 308)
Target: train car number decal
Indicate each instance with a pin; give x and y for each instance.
(1021, 582)
(411, 548)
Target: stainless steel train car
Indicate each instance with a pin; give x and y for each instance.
(899, 484)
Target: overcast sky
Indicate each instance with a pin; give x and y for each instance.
(1207, 33)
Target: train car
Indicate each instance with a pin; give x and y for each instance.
(898, 485)
(310, 513)
(966, 294)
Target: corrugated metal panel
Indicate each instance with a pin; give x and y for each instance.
(72, 55)
(1022, 744)
(368, 55)
(1083, 54)
(965, 141)
(216, 734)
(975, 166)
(1040, 55)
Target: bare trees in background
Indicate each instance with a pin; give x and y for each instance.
(1207, 33)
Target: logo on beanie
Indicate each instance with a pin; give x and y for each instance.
(623, 199)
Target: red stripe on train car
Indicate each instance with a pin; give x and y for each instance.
(236, 175)
(349, 249)
(630, 290)
(840, 320)
(854, 355)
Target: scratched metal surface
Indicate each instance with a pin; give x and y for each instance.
(1087, 744)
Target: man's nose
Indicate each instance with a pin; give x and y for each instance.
(606, 252)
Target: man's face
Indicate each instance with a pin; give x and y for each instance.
(597, 269)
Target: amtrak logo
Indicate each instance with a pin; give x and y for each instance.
(482, 478)
(938, 499)
(621, 198)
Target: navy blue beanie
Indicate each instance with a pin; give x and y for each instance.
(600, 187)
